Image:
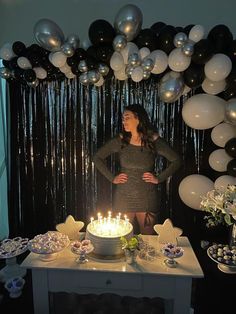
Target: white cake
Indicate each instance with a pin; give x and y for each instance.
(105, 237)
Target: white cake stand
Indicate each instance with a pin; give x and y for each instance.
(9, 250)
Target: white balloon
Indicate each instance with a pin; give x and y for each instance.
(222, 182)
(196, 33)
(6, 52)
(70, 75)
(203, 111)
(160, 60)
(24, 63)
(218, 67)
(212, 87)
(192, 188)
(41, 73)
(219, 159)
(137, 74)
(121, 74)
(178, 61)
(144, 52)
(65, 68)
(117, 61)
(129, 49)
(223, 132)
(58, 59)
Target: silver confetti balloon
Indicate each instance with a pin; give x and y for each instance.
(171, 87)
(68, 49)
(119, 42)
(103, 69)
(134, 59)
(74, 40)
(93, 76)
(48, 35)
(230, 111)
(5, 73)
(128, 21)
(188, 48)
(148, 64)
(180, 39)
(83, 79)
(83, 66)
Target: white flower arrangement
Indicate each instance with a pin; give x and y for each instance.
(221, 205)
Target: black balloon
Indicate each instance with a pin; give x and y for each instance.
(72, 61)
(156, 27)
(194, 75)
(18, 47)
(101, 32)
(104, 54)
(231, 78)
(146, 38)
(220, 37)
(75, 70)
(35, 59)
(231, 51)
(30, 75)
(229, 93)
(165, 40)
(5, 63)
(80, 54)
(203, 51)
(92, 52)
(230, 147)
(231, 168)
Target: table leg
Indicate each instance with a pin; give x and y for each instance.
(40, 291)
(182, 300)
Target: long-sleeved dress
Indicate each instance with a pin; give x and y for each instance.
(136, 195)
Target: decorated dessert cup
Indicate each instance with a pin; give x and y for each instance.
(82, 249)
(14, 286)
(171, 251)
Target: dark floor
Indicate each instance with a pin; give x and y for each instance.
(214, 294)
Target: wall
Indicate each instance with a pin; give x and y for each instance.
(18, 17)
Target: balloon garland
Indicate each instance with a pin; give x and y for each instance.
(178, 58)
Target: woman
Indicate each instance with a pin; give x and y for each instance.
(137, 146)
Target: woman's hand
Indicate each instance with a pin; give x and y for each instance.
(120, 178)
(149, 177)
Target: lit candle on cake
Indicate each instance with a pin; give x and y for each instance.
(108, 226)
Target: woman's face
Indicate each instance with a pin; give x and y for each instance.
(130, 121)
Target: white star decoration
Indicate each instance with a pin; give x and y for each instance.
(167, 233)
(70, 227)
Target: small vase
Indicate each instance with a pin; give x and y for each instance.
(130, 256)
(232, 234)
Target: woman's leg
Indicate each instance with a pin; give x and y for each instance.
(146, 221)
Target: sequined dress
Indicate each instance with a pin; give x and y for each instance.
(136, 194)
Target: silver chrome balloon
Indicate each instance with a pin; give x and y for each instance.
(129, 70)
(119, 42)
(103, 69)
(180, 39)
(83, 79)
(146, 74)
(83, 66)
(93, 76)
(48, 35)
(74, 40)
(67, 49)
(171, 87)
(134, 59)
(148, 64)
(5, 73)
(188, 48)
(128, 21)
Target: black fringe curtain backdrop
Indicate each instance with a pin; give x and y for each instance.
(55, 130)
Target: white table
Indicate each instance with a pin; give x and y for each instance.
(145, 279)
